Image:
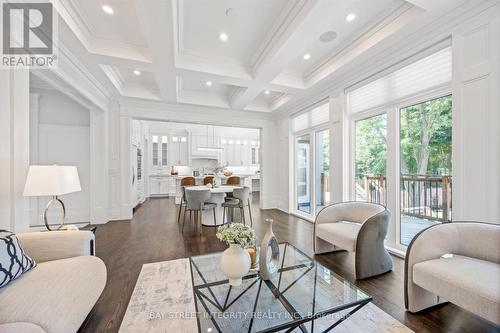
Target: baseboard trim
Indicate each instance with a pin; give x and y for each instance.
(396, 252)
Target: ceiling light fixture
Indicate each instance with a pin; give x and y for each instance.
(267, 92)
(208, 83)
(223, 36)
(307, 56)
(108, 10)
(137, 72)
(351, 17)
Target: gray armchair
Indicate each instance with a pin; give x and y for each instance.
(457, 262)
(358, 227)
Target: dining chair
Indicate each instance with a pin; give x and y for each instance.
(185, 182)
(240, 199)
(208, 180)
(196, 201)
(233, 180)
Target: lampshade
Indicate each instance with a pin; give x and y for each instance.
(48, 180)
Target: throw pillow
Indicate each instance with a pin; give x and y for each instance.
(13, 260)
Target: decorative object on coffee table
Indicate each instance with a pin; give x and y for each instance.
(235, 261)
(269, 253)
(253, 251)
(52, 180)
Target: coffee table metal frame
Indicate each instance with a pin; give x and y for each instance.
(298, 321)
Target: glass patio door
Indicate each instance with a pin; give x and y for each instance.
(371, 159)
(303, 174)
(312, 172)
(322, 169)
(425, 166)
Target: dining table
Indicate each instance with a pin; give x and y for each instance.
(217, 196)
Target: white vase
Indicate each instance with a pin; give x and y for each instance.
(235, 263)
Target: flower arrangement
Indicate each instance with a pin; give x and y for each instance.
(236, 233)
(217, 169)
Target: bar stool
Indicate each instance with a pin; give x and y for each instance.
(196, 201)
(233, 180)
(185, 182)
(208, 180)
(241, 199)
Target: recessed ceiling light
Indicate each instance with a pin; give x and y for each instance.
(136, 72)
(267, 92)
(307, 56)
(351, 17)
(208, 83)
(223, 36)
(108, 10)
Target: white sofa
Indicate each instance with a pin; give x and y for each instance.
(470, 278)
(57, 295)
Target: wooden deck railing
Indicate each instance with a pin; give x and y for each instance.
(422, 196)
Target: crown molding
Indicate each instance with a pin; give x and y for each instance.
(426, 35)
(294, 11)
(360, 37)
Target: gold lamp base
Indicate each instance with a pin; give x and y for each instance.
(61, 223)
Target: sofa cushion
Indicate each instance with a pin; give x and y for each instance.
(342, 234)
(57, 295)
(13, 260)
(467, 282)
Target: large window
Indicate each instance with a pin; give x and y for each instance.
(312, 161)
(425, 166)
(371, 159)
(401, 149)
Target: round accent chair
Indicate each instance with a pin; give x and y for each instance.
(358, 227)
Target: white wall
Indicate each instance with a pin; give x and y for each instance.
(60, 130)
(476, 118)
(14, 148)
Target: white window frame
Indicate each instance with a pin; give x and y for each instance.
(393, 172)
(312, 167)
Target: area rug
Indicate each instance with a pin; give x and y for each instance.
(163, 301)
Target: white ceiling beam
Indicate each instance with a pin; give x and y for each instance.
(288, 40)
(154, 18)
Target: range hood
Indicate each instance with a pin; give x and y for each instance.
(212, 147)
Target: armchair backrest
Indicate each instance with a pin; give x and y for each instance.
(351, 211)
(478, 240)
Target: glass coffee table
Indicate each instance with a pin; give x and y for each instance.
(304, 296)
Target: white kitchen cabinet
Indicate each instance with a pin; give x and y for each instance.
(159, 185)
(171, 186)
(254, 155)
(179, 150)
(239, 152)
(159, 151)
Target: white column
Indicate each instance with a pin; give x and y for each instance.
(114, 162)
(268, 165)
(339, 170)
(14, 149)
(476, 118)
(125, 175)
(98, 166)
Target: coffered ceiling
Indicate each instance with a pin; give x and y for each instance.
(258, 55)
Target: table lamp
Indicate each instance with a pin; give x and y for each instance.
(52, 180)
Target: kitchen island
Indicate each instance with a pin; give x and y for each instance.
(245, 180)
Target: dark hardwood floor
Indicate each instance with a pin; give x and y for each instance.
(154, 235)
